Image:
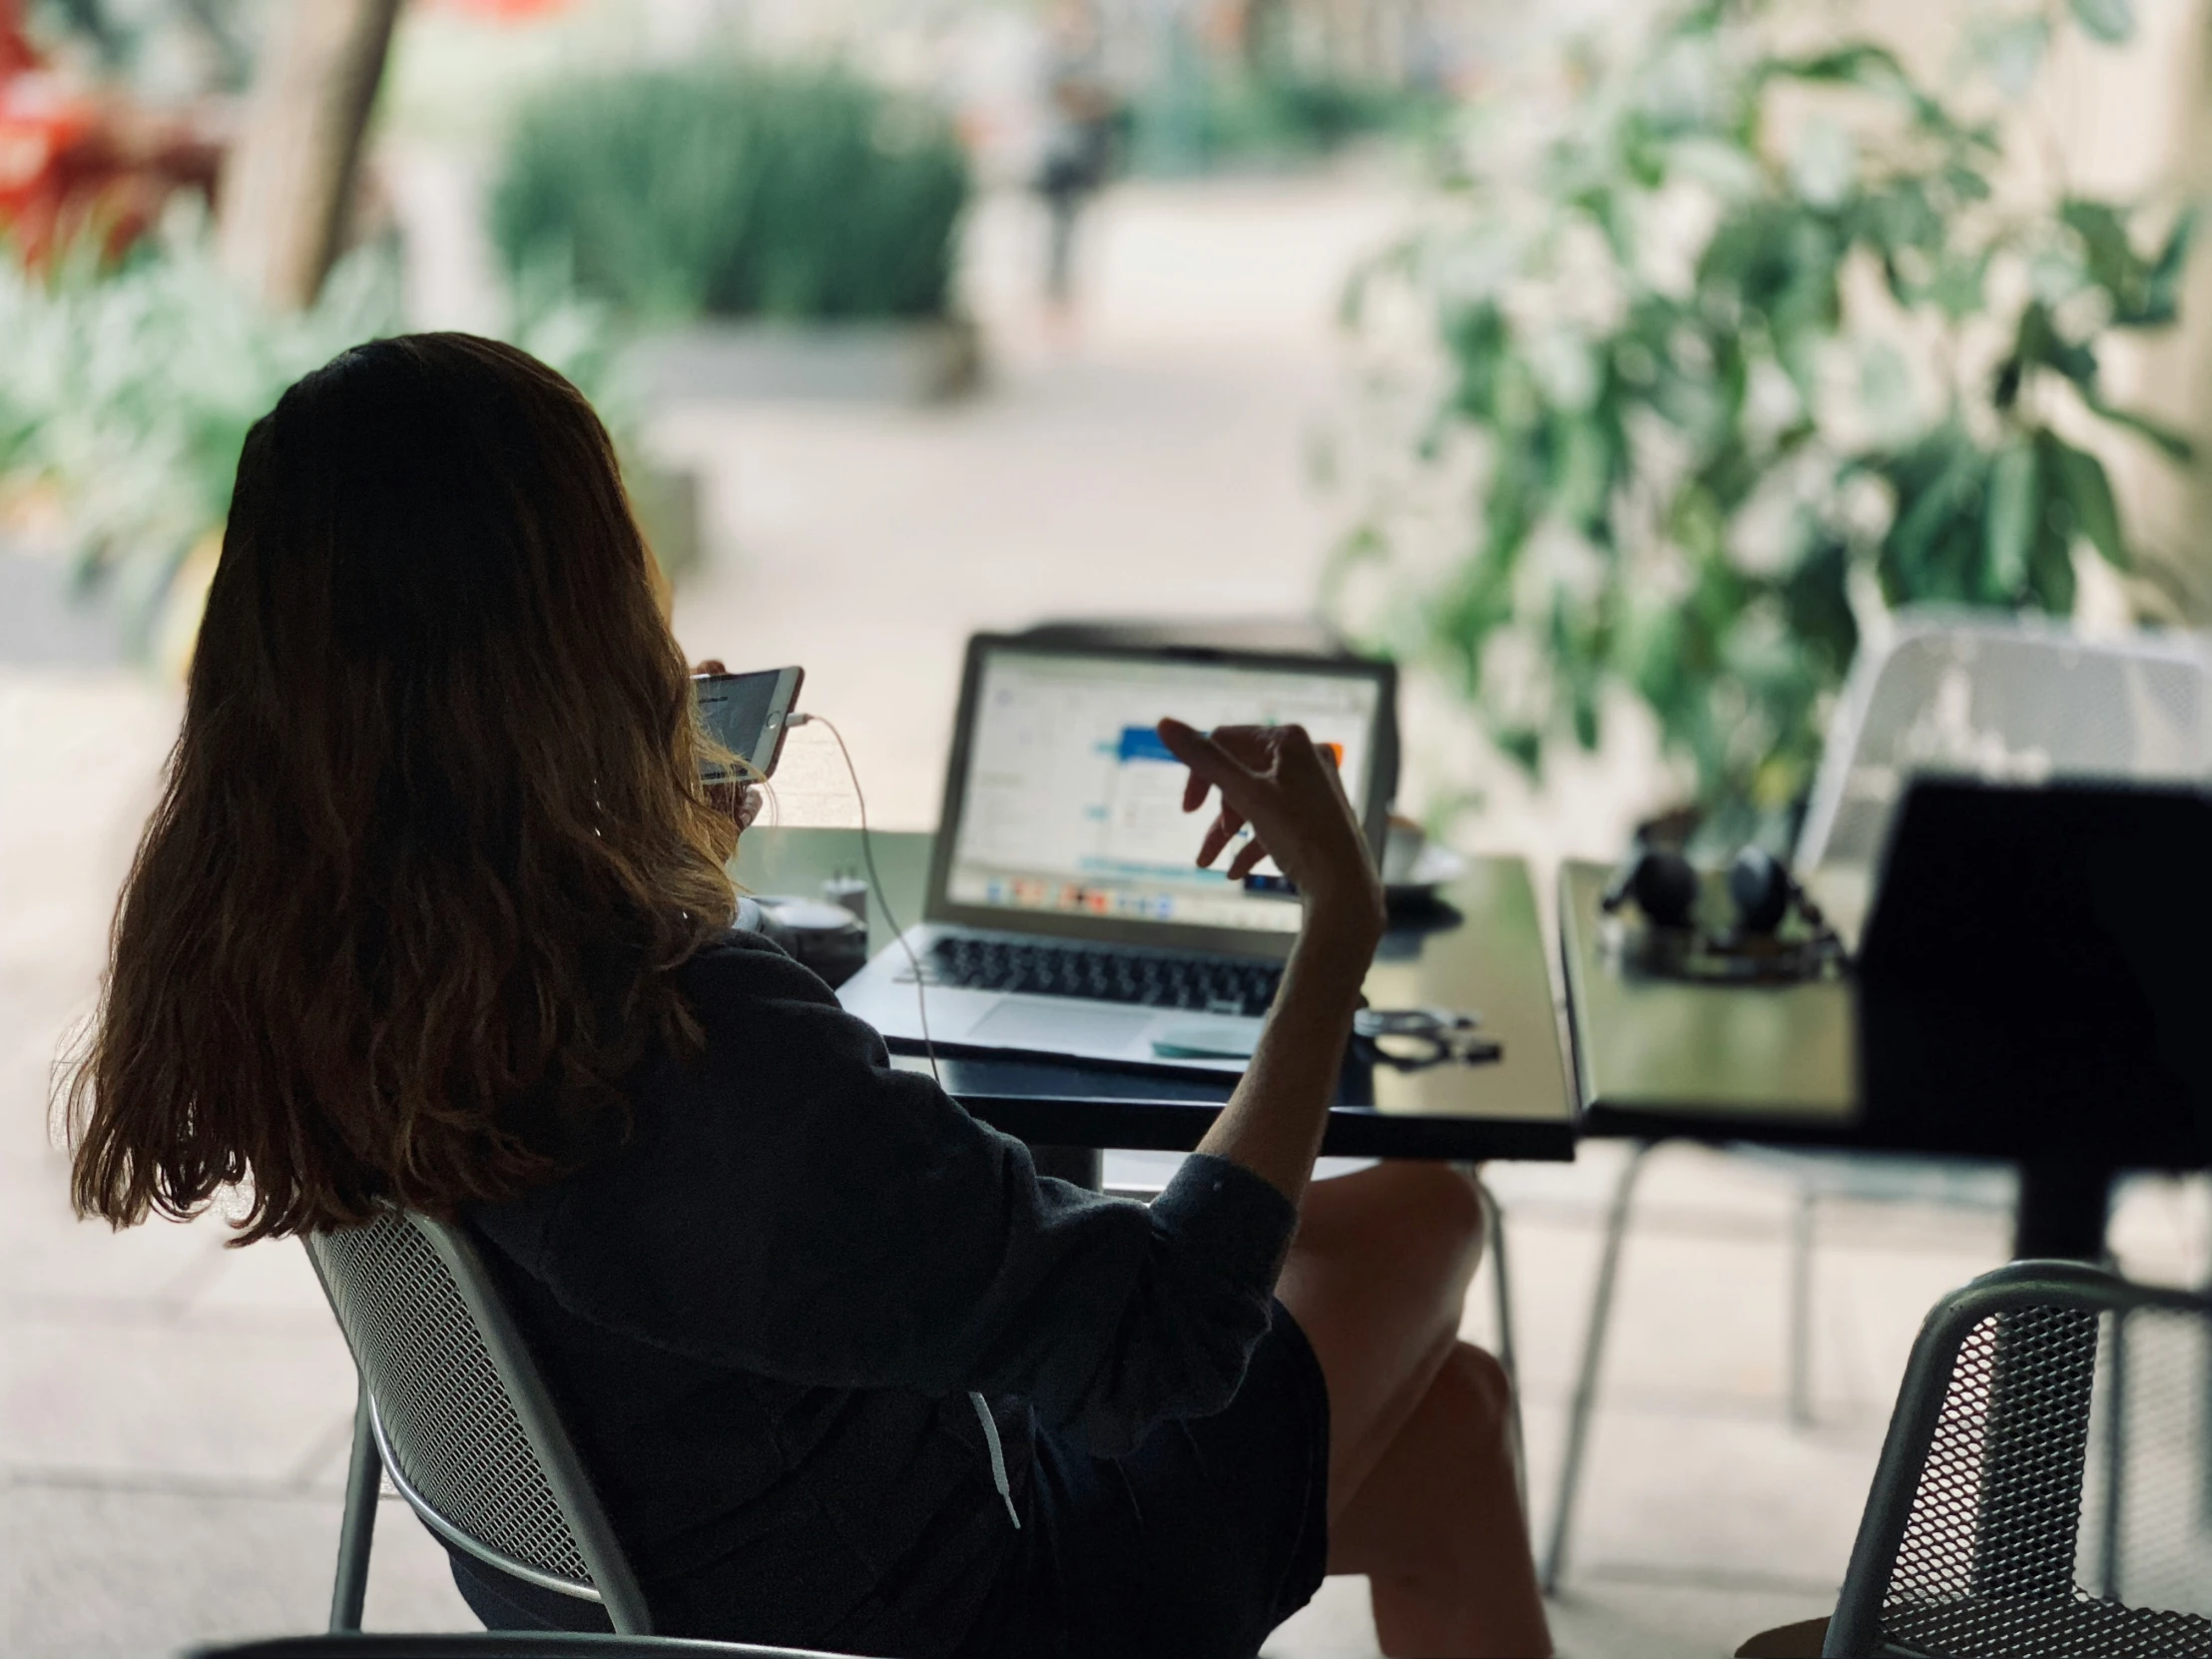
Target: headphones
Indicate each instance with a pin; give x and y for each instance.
(1774, 933)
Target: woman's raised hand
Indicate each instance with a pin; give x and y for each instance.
(1275, 780)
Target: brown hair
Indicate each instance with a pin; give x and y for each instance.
(432, 843)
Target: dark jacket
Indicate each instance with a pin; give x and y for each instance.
(763, 1311)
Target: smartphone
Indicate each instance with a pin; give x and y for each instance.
(746, 715)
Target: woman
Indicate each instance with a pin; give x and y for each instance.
(433, 913)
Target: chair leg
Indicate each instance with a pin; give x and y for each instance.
(1801, 1307)
(364, 1478)
(1584, 1397)
(1501, 1289)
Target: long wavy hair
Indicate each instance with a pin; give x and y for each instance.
(433, 845)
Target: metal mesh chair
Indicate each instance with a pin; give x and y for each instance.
(454, 1409)
(495, 1645)
(2008, 1431)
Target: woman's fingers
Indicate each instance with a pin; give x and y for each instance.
(1247, 859)
(1220, 834)
(1211, 765)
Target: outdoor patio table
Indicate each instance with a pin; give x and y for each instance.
(1482, 952)
(1656, 1059)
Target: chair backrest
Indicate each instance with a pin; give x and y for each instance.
(463, 1421)
(2005, 700)
(2019, 1415)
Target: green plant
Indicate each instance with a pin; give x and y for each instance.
(1283, 112)
(1763, 350)
(127, 398)
(736, 190)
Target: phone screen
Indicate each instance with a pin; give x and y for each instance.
(744, 714)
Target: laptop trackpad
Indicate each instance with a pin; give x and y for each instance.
(1016, 1024)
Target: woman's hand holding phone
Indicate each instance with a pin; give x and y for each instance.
(740, 802)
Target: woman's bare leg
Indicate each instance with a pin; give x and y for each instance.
(1377, 1275)
(1439, 1530)
(1422, 1494)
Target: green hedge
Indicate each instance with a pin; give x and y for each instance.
(735, 190)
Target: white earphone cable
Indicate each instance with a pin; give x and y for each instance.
(876, 882)
(922, 1006)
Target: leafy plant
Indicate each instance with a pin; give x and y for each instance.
(737, 189)
(1205, 108)
(128, 395)
(1281, 111)
(1762, 350)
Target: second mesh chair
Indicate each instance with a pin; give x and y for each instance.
(2009, 1435)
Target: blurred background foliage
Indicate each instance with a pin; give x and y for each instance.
(161, 46)
(1260, 101)
(1278, 111)
(735, 189)
(1754, 347)
(1209, 113)
(130, 388)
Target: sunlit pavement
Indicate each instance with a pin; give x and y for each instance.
(174, 1417)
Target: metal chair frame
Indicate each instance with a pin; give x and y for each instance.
(1856, 1627)
(613, 1583)
(495, 1645)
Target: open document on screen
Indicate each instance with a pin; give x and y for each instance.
(1073, 804)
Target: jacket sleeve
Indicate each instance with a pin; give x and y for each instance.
(791, 1204)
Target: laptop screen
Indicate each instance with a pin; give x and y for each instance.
(1071, 807)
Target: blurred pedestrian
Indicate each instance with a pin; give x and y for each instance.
(1078, 137)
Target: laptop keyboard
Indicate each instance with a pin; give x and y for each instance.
(1212, 984)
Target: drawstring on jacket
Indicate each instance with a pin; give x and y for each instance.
(999, 1457)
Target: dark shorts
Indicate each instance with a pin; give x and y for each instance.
(1194, 1546)
(1197, 1544)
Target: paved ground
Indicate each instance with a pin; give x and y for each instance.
(173, 1416)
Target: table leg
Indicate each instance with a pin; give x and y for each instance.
(1502, 1280)
(1079, 1166)
(2063, 1208)
(1585, 1399)
(2042, 1385)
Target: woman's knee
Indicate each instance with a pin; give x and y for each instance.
(1378, 1272)
(1476, 1375)
(1476, 1394)
(1437, 1208)
(1437, 1200)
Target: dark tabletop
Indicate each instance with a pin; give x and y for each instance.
(1481, 950)
(1656, 1057)
(1666, 1059)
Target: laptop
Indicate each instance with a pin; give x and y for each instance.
(1065, 916)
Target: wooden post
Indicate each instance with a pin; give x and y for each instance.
(289, 178)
